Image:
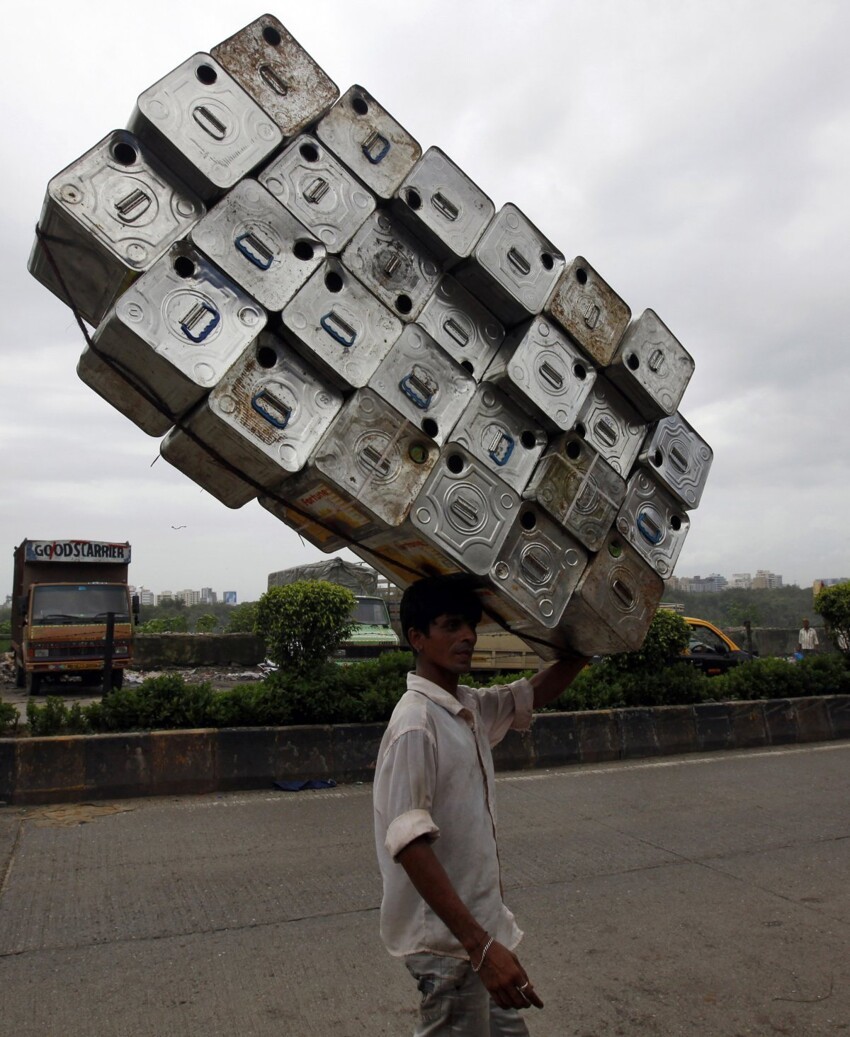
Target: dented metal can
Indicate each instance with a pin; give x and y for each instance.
(651, 367)
(589, 310)
(465, 328)
(500, 434)
(369, 141)
(679, 458)
(206, 468)
(317, 189)
(614, 601)
(259, 243)
(267, 413)
(340, 326)
(578, 488)
(443, 207)
(107, 218)
(275, 70)
(122, 392)
(513, 267)
(179, 327)
(423, 383)
(393, 264)
(612, 426)
(654, 523)
(541, 369)
(204, 126)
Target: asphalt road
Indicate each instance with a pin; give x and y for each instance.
(700, 895)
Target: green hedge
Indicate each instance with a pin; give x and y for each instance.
(367, 691)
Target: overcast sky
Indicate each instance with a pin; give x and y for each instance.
(698, 155)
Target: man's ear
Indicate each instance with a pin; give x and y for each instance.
(415, 638)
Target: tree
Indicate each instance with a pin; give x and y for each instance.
(666, 638)
(242, 619)
(205, 624)
(165, 625)
(833, 603)
(303, 623)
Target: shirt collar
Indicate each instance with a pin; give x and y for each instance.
(436, 694)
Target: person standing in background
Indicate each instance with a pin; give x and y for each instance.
(807, 638)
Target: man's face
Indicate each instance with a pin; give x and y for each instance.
(805, 624)
(448, 644)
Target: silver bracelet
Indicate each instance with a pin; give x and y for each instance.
(487, 946)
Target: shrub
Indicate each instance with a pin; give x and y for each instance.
(8, 718)
(776, 679)
(303, 623)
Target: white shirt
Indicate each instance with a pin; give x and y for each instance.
(808, 638)
(434, 776)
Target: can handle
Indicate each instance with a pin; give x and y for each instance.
(651, 532)
(255, 250)
(375, 147)
(418, 387)
(338, 329)
(194, 317)
(271, 408)
(501, 448)
(273, 80)
(209, 123)
(133, 205)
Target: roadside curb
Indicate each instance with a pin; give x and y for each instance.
(156, 763)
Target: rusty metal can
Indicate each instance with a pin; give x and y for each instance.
(654, 522)
(204, 126)
(465, 328)
(107, 218)
(270, 65)
(542, 370)
(513, 267)
(206, 468)
(106, 380)
(393, 264)
(443, 207)
(651, 367)
(259, 243)
(589, 310)
(679, 458)
(422, 382)
(371, 143)
(179, 327)
(317, 189)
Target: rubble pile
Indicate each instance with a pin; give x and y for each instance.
(315, 313)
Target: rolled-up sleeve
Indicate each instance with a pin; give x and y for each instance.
(505, 708)
(405, 789)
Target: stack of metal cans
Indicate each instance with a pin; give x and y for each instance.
(315, 313)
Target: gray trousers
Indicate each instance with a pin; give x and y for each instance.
(455, 1003)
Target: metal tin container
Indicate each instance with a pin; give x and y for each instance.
(589, 310)
(267, 413)
(679, 458)
(513, 268)
(202, 467)
(271, 66)
(495, 430)
(541, 369)
(122, 393)
(537, 570)
(459, 323)
(653, 522)
(204, 126)
(365, 473)
(107, 217)
(614, 602)
(393, 264)
(179, 328)
(340, 326)
(316, 533)
(423, 383)
(443, 207)
(651, 367)
(404, 555)
(578, 488)
(259, 243)
(363, 135)
(465, 510)
(317, 189)
(612, 426)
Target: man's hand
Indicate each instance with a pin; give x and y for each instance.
(506, 980)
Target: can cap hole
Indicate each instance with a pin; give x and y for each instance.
(206, 74)
(454, 463)
(430, 428)
(418, 453)
(413, 198)
(309, 152)
(528, 439)
(528, 520)
(184, 267)
(271, 36)
(657, 458)
(632, 361)
(547, 260)
(581, 275)
(467, 366)
(359, 105)
(404, 304)
(303, 250)
(580, 371)
(580, 430)
(573, 450)
(334, 281)
(676, 523)
(266, 356)
(125, 153)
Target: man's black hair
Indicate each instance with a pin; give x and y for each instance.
(434, 596)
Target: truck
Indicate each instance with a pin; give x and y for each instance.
(373, 633)
(72, 613)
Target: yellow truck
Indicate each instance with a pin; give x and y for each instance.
(72, 614)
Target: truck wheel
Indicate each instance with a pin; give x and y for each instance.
(33, 682)
(20, 676)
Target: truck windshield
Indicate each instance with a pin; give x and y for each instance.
(78, 603)
(371, 612)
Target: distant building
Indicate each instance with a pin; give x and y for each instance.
(208, 596)
(833, 581)
(164, 598)
(229, 597)
(764, 580)
(712, 584)
(146, 597)
(189, 597)
(742, 581)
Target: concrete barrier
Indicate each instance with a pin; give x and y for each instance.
(81, 767)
